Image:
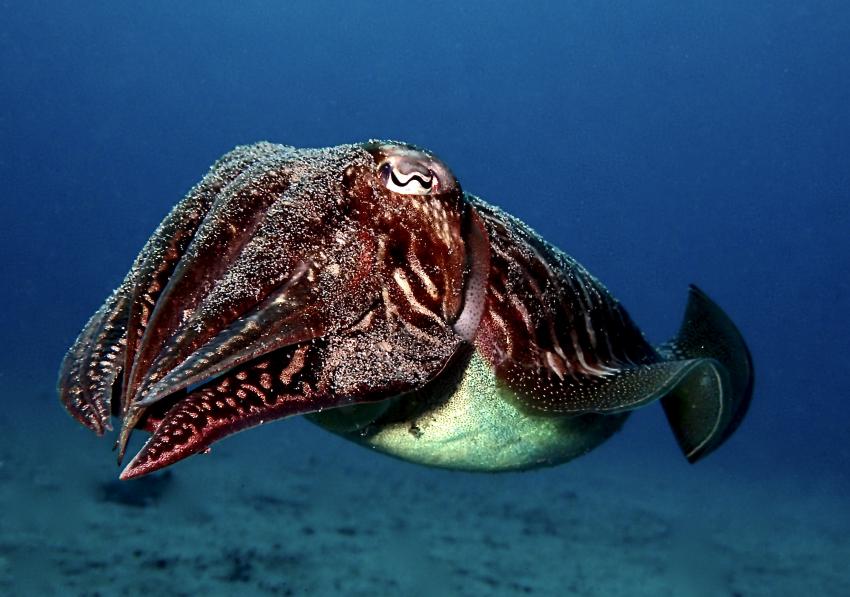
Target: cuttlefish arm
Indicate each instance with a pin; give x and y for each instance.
(305, 279)
(101, 354)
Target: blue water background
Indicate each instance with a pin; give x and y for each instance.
(660, 143)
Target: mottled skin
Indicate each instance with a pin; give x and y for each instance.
(361, 286)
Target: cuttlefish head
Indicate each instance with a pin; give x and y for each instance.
(274, 250)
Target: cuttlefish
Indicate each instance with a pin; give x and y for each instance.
(360, 286)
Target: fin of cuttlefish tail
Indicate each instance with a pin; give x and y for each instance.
(707, 405)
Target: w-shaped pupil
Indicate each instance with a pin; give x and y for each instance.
(403, 180)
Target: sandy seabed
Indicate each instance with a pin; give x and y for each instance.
(291, 510)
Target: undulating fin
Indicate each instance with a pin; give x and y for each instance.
(552, 332)
(710, 403)
(100, 355)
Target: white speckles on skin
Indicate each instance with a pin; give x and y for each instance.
(404, 284)
(390, 309)
(365, 323)
(556, 364)
(419, 334)
(523, 312)
(266, 381)
(295, 365)
(506, 333)
(420, 272)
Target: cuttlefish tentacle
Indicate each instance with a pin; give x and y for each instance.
(163, 253)
(91, 368)
(374, 359)
(106, 347)
(193, 272)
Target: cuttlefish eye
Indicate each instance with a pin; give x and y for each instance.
(408, 171)
(407, 183)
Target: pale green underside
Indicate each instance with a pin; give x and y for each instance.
(478, 427)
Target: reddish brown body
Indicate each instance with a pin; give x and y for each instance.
(291, 281)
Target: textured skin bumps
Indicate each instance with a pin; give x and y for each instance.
(360, 285)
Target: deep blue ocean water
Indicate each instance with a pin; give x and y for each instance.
(659, 143)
